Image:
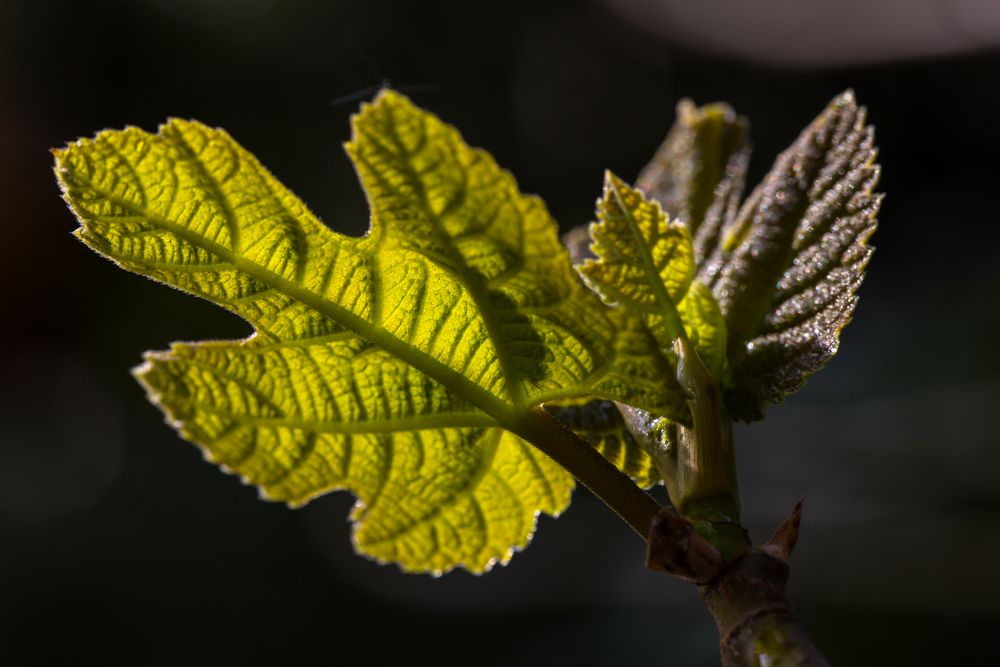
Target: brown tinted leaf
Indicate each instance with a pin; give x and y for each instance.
(789, 265)
(698, 172)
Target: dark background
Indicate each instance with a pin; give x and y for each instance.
(118, 545)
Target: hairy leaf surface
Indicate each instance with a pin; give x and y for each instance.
(388, 364)
(788, 266)
(698, 173)
(645, 264)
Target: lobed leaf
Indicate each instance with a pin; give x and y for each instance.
(437, 482)
(387, 364)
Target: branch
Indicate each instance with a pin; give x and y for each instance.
(757, 625)
(746, 597)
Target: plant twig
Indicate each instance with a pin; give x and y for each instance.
(746, 597)
(757, 625)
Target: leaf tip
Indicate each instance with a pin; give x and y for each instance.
(613, 181)
(169, 122)
(390, 95)
(142, 373)
(386, 98)
(685, 109)
(383, 102)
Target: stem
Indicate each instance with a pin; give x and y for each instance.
(746, 596)
(757, 625)
(705, 468)
(586, 464)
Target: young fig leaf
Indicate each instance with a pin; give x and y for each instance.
(645, 264)
(705, 326)
(698, 172)
(394, 365)
(787, 268)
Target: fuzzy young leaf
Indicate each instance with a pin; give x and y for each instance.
(390, 364)
(697, 175)
(787, 267)
(642, 263)
(646, 264)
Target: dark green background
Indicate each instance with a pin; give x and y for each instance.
(118, 545)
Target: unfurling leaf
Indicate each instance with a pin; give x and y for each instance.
(705, 326)
(645, 264)
(393, 365)
(775, 280)
(697, 175)
(788, 266)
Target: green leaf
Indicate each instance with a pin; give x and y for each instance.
(787, 268)
(300, 420)
(601, 424)
(642, 263)
(393, 365)
(645, 264)
(705, 326)
(698, 172)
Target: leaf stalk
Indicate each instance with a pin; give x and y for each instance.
(589, 467)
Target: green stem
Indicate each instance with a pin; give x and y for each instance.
(703, 470)
(589, 467)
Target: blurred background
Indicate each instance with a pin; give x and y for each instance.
(118, 545)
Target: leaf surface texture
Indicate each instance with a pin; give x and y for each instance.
(784, 266)
(389, 364)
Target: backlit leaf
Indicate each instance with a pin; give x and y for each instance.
(642, 263)
(390, 364)
(787, 268)
(705, 326)
(786, 265)
(299, 420)
(697, 175)
(645, 264)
